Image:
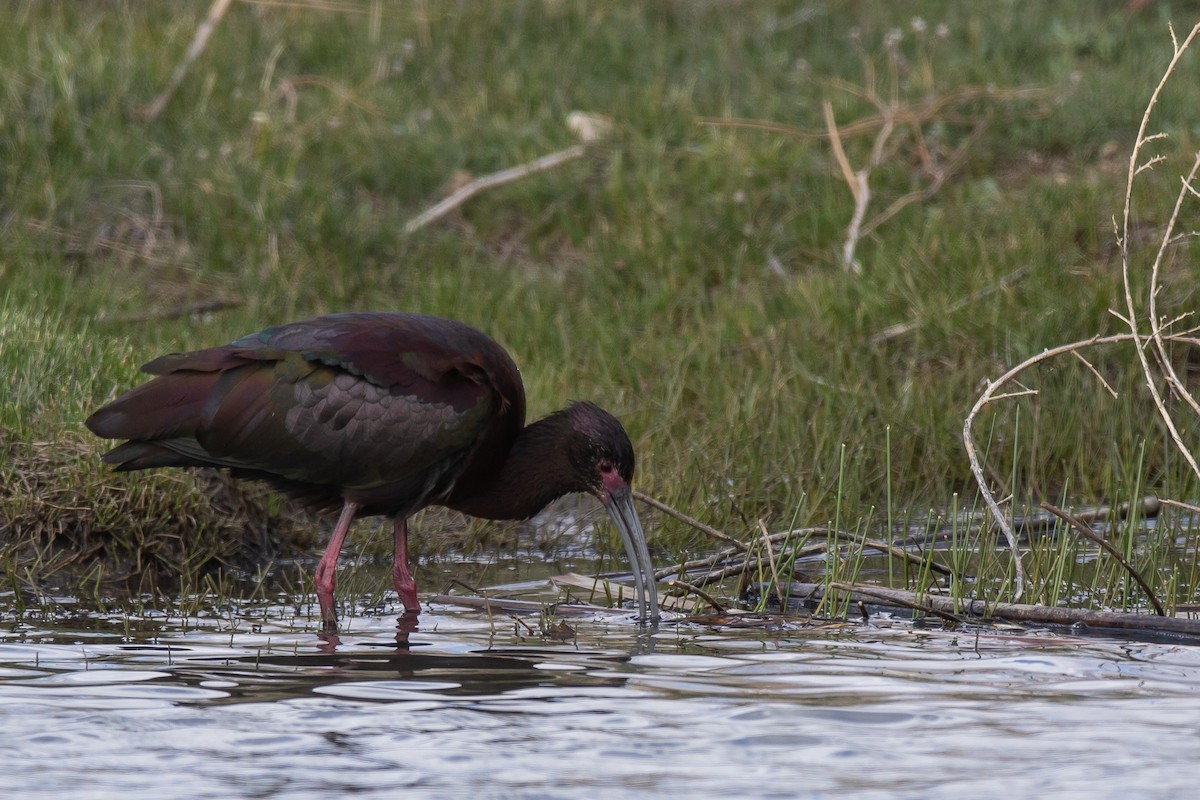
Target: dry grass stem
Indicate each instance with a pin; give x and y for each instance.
(918, 113)
(766, 539)
(199, 42)
(903, 328)
(465, 193)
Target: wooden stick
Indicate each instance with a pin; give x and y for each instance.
(915, 604)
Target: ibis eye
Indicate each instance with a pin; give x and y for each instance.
(606, 466)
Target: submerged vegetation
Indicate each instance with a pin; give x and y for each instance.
(804, 239)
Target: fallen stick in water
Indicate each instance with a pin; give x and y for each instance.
(982, 611)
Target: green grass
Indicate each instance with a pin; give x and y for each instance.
(682, 275)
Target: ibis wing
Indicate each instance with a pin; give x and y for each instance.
(403, 352)
(315, 423)
(359, 401)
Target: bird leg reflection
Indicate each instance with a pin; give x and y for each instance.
(406, 585)
(406, 624)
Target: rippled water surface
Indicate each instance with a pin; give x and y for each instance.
(254, 704)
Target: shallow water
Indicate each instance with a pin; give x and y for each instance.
(251, 703)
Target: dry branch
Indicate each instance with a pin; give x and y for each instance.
(1195, 509)
(1092, 536)
(606, 586)
(989, 395)
(981, 611)
(746, 562)
(1150, 347)
(1156, 328)
(863, 593)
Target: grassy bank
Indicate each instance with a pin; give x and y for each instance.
(684, 274)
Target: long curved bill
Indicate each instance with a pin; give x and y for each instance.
(619, 504)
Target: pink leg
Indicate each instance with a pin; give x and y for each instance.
(327, 566)
(406, 587)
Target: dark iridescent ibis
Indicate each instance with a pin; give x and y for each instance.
(377, 414)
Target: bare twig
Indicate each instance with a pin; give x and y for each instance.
(725, 572)
(988, 395)
(1126, 276)
(1112, 392)
(696, 590)
(1156, 326)
(1092, 536)
(901, 553)
(696, 564)
(686, 520)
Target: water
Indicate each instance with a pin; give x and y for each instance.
(250, 703)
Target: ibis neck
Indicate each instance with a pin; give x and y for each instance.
(535, 471)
